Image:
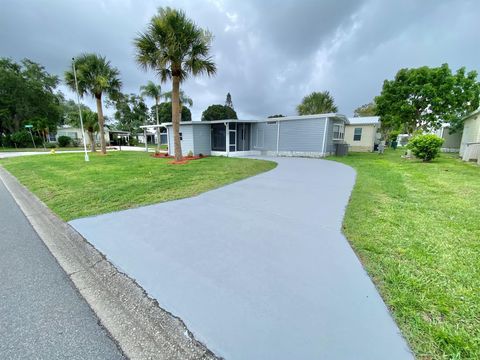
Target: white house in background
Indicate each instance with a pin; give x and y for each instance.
(111, 136)
(470, 143)
(362, 133)
(151, 135)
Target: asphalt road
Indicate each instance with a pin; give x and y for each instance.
(42, 316)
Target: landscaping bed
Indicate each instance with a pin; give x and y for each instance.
(416, 228)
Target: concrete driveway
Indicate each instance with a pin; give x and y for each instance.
(258, 269)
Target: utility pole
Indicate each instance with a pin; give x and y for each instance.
(80, 111)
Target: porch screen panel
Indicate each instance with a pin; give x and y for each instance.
(243, 137)
(218, 137)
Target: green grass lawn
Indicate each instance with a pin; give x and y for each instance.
(122, 180)
(416, 228)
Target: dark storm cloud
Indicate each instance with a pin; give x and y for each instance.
(269, 53)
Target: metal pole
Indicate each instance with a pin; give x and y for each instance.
(80, 111)
(31, 135)
(145, 139)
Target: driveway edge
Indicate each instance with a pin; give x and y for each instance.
(141, 328)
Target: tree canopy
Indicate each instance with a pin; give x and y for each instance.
(27, 93)
(369, 109)
(276, 116)
(165, 112)
(131, 112)
(219, 112)
(317, 103)
(423, 98)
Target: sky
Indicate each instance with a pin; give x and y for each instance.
(269, 54)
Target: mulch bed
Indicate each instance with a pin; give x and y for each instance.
(184, 160)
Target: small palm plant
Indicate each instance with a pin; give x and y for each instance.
(155, 92)
(96, 77)
(174, 47)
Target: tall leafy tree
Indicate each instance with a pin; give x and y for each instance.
(97, 77)
(317, 103)
(165, 112)
(228, 101)
(155, 92)
(174, 46)
(219, 112)
(369, 109)
(131, 112)
(27, 92)
(423, 98)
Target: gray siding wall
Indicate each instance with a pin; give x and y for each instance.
(295, 136)
(201, 139)
(302, 135)
(264, 136)
(187, 139)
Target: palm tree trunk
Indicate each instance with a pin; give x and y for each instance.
(101, 122)
(158, 123)
(92, 140)
(176, 116)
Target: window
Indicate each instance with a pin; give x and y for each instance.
(357, 134)
(338, 131)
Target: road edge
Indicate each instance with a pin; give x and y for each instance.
(141, 328)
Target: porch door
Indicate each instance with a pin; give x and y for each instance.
(233, 140)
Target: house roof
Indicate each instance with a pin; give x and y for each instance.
(285, 118)
(471, 114)
(364, 120)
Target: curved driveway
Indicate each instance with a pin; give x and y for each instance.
(258, 269)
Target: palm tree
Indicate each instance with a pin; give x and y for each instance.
(184, 98)
(153, 91)
(90, 123)
(174, 46)
(317, 103)
(95, 76)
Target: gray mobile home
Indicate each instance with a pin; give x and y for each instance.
(307, 135)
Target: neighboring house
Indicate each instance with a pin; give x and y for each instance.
(451, 142)
(307, 135)
(151, 136)
(111, 136)
(470, 144)
(362, 133)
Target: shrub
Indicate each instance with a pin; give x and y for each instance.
(425, 147)
(64, 141)
(133, 142)
(51, 145)
(24, 139)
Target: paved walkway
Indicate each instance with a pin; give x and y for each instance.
(9, 154)
(258, 269)
(42, 316)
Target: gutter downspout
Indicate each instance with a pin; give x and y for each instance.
(227, 138)
(278, 135)
(168, 140)
(324, 137)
